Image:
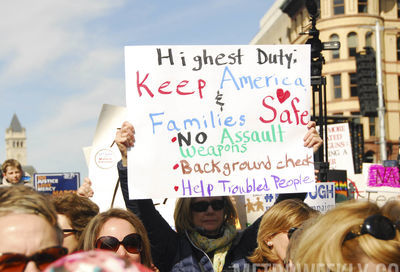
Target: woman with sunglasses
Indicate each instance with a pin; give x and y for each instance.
(276, 227)
(120, 231)
(205, 238)
(30, 236)
(354, 236)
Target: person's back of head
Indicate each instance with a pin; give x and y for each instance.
(345, 236)
(95, 261)
(391, 209)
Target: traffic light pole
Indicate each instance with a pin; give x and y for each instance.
(379, 83)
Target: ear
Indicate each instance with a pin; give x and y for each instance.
(268, 243)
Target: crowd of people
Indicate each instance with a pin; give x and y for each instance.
(69, 233)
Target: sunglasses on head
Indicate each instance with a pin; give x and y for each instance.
(202, 206)
(377, 226)
(15, 262)
(132, 243)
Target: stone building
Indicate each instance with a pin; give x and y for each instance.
(15, 138)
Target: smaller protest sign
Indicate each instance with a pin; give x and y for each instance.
(56, 183)
(322, 199)
(379, 175)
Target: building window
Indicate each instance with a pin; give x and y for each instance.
(338, 7)
(368, 39)
(352, 43)
(362, 6)
(372, 126)
(335, 53)
(398, 47)
(353, 84)
(398, 85)
(337, 86)
(398, 8)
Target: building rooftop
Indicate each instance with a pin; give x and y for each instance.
(15, 125)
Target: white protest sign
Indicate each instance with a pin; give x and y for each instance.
(339, 147)
(218, 120)
(323, 199)
(104, 156)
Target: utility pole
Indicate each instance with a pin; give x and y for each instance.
(379, 83)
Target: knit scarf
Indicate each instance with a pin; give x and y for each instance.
(220, 245)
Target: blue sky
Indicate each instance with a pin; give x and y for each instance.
(61, 60)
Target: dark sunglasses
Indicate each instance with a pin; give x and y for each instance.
(291, 231)
(376, 225)
(202, 206)
(14, 262)
(69, 230)
(132, 243)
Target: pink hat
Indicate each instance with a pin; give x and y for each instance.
(95, 261)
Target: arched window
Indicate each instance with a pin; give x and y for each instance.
(338, 7)
(335, 53)
(352, 43)
(362, 6)
(368, 39)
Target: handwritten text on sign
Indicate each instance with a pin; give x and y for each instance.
(218, 120)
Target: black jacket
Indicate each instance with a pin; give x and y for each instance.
(172, 251)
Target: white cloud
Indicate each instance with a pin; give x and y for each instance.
(37, 33)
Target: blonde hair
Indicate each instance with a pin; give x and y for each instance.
(184, 219)
(92, 230)
(279, 218)
(21, 199)
(323, 243)
(391, 209)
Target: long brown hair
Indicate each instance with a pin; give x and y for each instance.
(91, 232)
